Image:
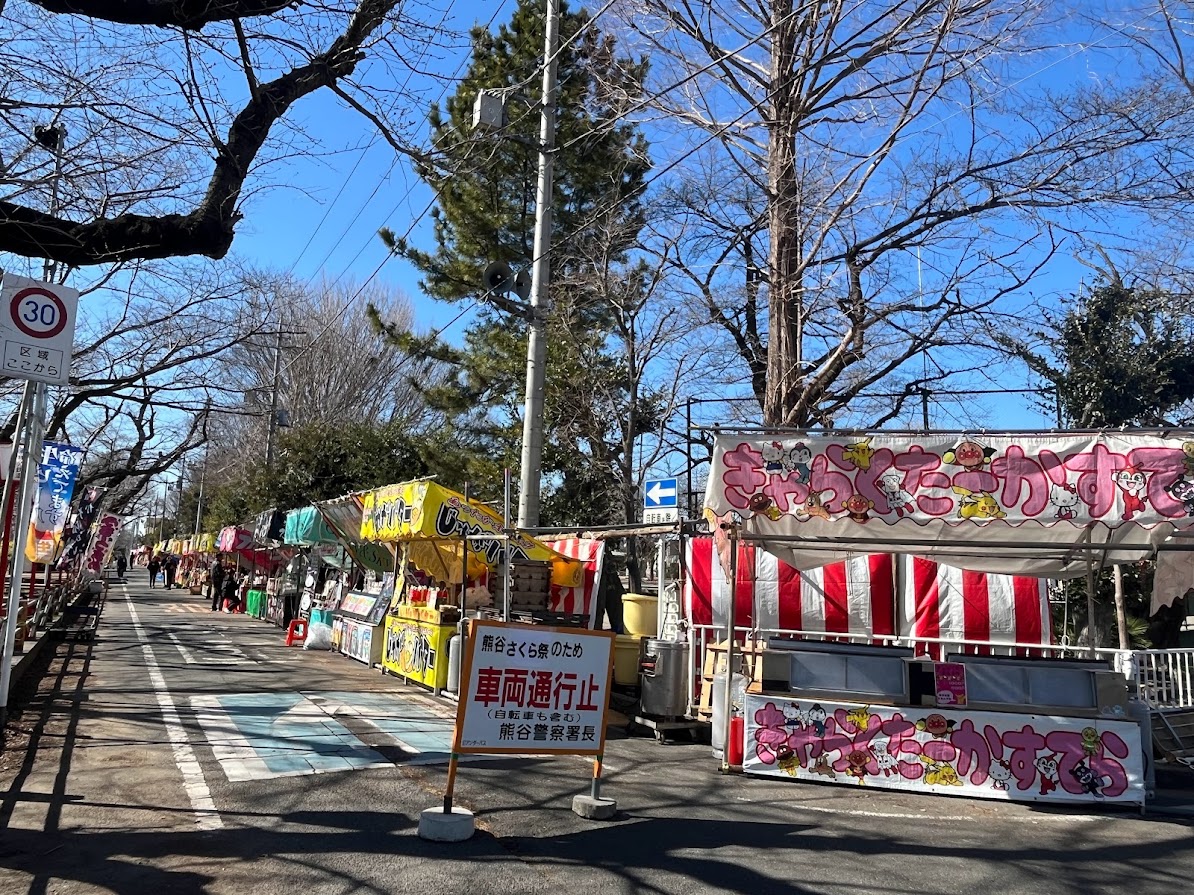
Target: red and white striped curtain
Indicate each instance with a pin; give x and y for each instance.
(859, 597)
(580, 600)
(945, 602)
(852, 597)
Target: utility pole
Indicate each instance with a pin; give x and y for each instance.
(32, 420)
(532, 419)
(273, 403)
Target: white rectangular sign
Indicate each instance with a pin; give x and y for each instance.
(986, 755)
(37, 329)
(533, 689)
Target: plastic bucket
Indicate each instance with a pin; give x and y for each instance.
(626, 660)
(640, 615)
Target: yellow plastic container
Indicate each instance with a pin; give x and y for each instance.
(640, 614)
(626, 659)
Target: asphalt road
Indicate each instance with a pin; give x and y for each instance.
(191, 752)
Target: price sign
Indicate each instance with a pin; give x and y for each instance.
(37, 329)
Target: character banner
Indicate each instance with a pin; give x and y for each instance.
(990, 755)
(1034, 491)
(535, 690)
(55, 484)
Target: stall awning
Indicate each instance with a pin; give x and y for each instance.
(305, 528)
(1038, 504)
(434, 521)
(342, 516)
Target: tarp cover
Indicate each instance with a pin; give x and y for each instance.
(305, 528)
(1012, 504)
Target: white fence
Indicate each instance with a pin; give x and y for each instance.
(1163, 679)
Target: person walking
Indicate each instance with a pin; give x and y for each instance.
(122, 565)
(171, 566)
(154, 566)
(217, 584)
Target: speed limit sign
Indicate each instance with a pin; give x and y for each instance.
(37, 329)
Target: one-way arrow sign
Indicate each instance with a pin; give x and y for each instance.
(660, 493)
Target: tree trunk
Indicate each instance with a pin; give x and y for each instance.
(785, 298)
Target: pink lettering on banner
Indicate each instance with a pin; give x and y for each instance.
(806, 743)
(977, 480)
(828, 481)
(914, 463)
(1023, 745)
(1084, 765)
(973, 752)
(901, 740)
(1023, 479)
(743, 476)
(865, 479)
(786, 492)
(1162, 466)
(935, 505)
(1053, 466)
(1095, 486)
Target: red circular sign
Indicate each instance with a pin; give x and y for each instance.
(38, 313)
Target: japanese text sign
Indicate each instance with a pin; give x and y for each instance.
(532, 689)
(55, 485)
(986, 755)
(103, 539)
(37, 329)
(872, 482)
(949, 679)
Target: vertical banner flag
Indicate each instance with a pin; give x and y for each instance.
(103, 538)
(56, 476)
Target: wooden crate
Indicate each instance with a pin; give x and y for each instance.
(746, 658)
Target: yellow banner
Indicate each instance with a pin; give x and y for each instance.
(424, 510)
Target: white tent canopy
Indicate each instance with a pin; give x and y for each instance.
(1041, 504)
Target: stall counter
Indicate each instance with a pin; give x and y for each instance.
(417, 644)
(990, 755)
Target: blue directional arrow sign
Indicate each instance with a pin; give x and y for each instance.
(660, 493)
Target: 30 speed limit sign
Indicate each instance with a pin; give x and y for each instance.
(37, 329)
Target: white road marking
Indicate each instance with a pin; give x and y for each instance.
(206, 816)
(230, 654)
(947, 818)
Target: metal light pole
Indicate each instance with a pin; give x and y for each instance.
(532, 419)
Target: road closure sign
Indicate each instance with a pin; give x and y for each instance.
(535, 690)
(37, 329)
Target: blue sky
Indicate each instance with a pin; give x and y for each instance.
(325, 223)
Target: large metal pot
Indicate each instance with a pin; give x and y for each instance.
(663, 678)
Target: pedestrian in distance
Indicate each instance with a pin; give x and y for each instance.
(217, 583)
(122, 565)
(154, 566)
(170, 564)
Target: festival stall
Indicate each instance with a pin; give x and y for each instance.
(279, 590)
(354, 601)
(320, 564)
(956, 699)
(432, 530)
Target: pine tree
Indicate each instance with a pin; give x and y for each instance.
(485, 211)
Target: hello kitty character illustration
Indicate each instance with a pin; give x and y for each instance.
(773, 456)
(794, 716)
(1001, 773)
(1065, 498)
(899, 501)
